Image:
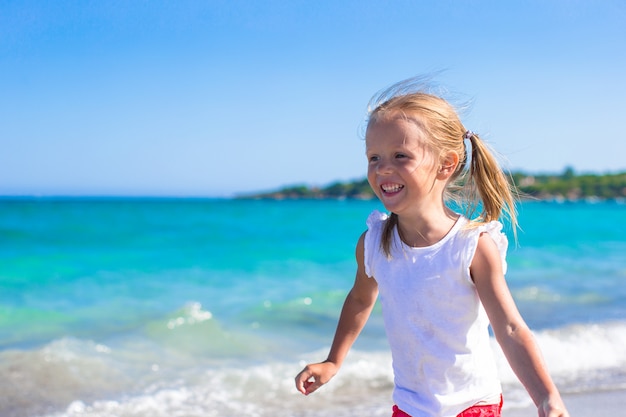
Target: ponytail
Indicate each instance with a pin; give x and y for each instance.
(486, 183)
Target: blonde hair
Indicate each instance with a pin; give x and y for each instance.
(478, 181)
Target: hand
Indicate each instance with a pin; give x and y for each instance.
(553, 406)
(314, 376)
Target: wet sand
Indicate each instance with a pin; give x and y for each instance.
(593, 404)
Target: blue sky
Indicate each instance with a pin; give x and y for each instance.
(216, 98)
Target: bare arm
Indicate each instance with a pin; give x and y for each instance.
(356, 310)
(511, 332)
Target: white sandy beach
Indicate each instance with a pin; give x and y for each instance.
(594, 404)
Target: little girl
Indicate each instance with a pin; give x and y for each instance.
(439, 274)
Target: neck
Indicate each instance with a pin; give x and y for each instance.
(426, 228)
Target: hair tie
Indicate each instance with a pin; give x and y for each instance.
(468, 145)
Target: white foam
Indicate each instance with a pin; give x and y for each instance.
(574, 352)
(257, 391)
(363, 386)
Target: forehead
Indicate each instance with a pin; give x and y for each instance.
(394, 129)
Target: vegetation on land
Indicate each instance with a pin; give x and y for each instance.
(565, 186)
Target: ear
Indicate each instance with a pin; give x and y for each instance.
(447, 165)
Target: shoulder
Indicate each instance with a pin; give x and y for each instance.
(473, 231)
(487, 263)
(368, 246)
(375, 226)
(486, 250)
(486, 239)
(376, 219)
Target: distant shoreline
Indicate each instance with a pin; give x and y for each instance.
(567, 186)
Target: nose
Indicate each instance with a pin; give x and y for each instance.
(383, 167)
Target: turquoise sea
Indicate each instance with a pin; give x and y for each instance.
(199, 307)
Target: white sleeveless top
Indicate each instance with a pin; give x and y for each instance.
(436, 325)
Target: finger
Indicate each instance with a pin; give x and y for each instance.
(312, 386)
(302, 381)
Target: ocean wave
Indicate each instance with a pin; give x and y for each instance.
(574, 351)
(50, 377)
(195, 331)
(71, 377)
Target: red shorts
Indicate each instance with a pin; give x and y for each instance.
(490, 410)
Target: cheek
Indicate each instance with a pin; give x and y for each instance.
(371, 178)
(411, 168)
(425, 164)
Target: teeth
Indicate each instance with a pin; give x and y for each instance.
(391, 188)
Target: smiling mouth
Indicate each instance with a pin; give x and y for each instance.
(391, 188)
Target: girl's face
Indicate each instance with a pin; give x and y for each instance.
(401, 170)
